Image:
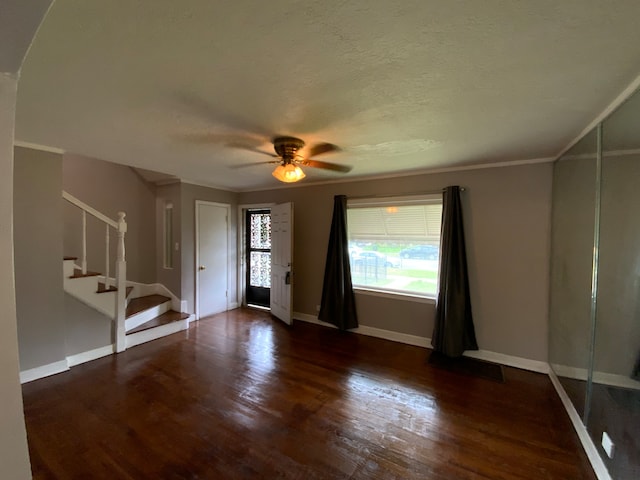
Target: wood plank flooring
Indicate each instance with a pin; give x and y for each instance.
(240, 395)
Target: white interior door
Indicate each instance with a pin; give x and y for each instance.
(281, 262)
(211, 258)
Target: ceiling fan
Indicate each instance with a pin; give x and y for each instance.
(287, 150)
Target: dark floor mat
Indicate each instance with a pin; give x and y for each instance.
(467, 366)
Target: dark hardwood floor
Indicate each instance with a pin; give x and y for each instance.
(240, 395)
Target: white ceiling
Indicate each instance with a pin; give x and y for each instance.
(401, 86)
(19, 21)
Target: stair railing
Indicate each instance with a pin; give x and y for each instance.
(120, 226)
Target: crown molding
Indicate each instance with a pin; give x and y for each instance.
(410, 173)
(37, 146)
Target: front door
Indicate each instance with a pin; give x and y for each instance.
(281, 262)
(258, 249)
(211, 258)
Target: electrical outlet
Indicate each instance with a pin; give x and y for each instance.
(317, 308)
(607, 445)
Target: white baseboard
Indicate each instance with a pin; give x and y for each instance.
(78, 358)
(233, 306)
(604, 378)
(371, 331)
(43, 371)
(509, 360)
(587, 443)
(425, 342)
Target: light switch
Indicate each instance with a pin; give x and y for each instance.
(607, 445)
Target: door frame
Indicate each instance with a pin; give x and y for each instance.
(242, 249)
(230, 268)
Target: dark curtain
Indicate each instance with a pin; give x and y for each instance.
(453, 332)
(338, 304)
(636, 369)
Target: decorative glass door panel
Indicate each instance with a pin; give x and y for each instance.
(258, 228)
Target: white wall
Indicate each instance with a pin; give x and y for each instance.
(19, 22)
(14, 455)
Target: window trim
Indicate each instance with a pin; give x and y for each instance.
(167, 230)
(396, 295)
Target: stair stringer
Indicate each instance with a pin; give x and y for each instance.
(84, 290)
(144, 289)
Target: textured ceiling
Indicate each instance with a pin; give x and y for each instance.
(178, 87)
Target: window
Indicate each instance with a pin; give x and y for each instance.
(168, 236)
(394, 243)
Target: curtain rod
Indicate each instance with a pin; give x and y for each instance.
(432, 192)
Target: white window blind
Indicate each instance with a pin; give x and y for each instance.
(394, 243)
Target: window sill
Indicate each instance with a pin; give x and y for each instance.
(407, 297)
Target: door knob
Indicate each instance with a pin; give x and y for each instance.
(202, 267)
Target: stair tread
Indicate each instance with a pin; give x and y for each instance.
(77, 273)
(137, 305)
(102, 289)
(164, 319)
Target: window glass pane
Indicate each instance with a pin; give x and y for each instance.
(260, 274)
(261, 230)
(168, 237)
(396, 247)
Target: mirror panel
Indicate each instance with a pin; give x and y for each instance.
(615, 403)
(573, 219)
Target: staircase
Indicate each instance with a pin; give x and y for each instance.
(139, 312)
(147, 317)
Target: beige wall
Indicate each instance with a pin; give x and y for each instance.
(110, 188)
(38, 257)
(507, 221)
(169, 277)
(189, 195)
(85, 328)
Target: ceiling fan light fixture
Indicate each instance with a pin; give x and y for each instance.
(288, 173)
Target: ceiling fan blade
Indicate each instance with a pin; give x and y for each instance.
(231, 140)
(326, 165)
(321, 148)
(253, 164)
(257, 150)
(215, 114)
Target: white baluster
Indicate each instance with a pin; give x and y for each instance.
(122, 229)
(107, 280)
(121, 277)
(84, 242)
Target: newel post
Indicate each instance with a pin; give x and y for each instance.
(121, 285)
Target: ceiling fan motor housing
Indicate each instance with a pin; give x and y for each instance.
(287, 147)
